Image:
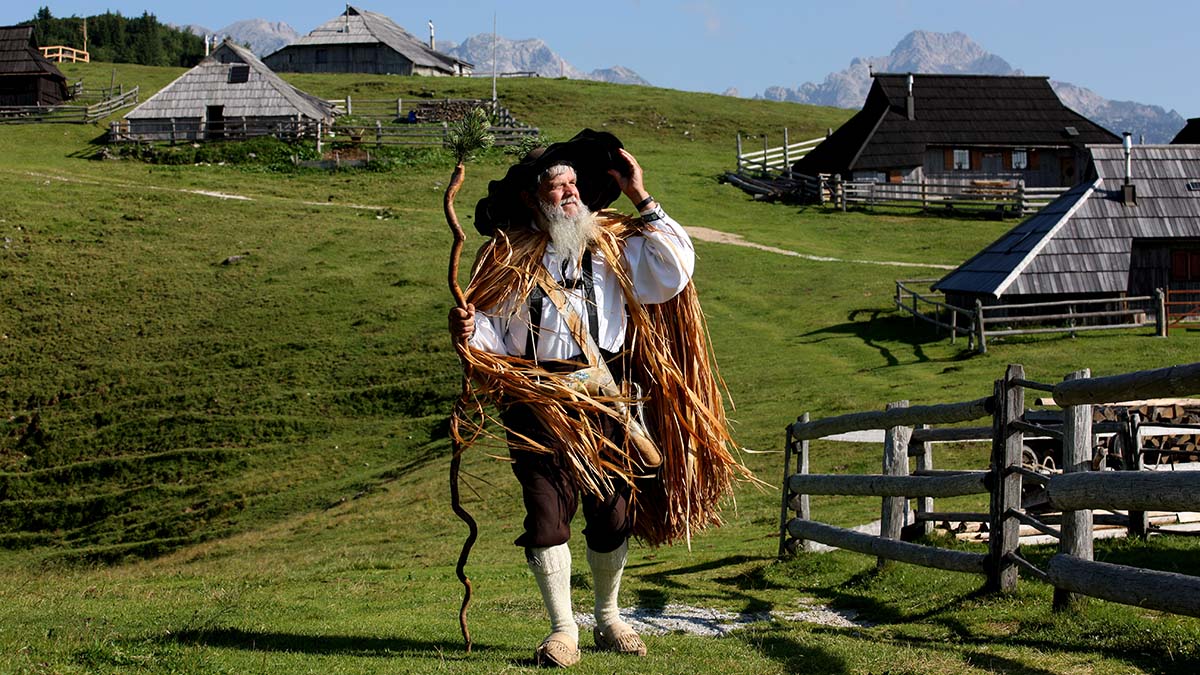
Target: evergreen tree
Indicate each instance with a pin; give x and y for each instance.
(115, 38)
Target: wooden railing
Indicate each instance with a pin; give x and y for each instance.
(1003, 196)
(80, 114)
(773, 160)
(1065, 316)
(174, 131)
(1074, 494)
(60, 54)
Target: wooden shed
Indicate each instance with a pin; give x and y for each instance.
(958, 129)
(230, 94)
(26, 77)
(1100, 239)
(359, 41)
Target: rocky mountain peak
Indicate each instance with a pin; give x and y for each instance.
(928, 52)
(531, 55)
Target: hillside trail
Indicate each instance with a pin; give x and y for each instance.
(701, 233)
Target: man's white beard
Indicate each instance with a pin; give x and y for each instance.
(570, 234)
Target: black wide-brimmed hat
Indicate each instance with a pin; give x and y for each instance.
(590, 153)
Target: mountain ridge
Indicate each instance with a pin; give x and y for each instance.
(956, 53)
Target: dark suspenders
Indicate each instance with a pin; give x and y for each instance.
(588, 281)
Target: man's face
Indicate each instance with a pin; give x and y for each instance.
(559, 191)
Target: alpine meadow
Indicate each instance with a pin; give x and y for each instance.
(225, 384)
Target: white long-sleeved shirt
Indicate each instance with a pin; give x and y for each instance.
(660, 261)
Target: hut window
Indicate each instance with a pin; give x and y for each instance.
(1193, 186)
(962, 160)
(895, 176)
(1020, 158)
(239, 73)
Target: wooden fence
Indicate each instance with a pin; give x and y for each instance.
(773, 160)
(378, 135)
(1075, 493)
(1003, 196)
(1181, 306)
(1065, 316)
(77, 113)
(419, 110)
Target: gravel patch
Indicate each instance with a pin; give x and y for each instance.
(708, 622)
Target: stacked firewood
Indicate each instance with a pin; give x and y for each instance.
(1183, 446)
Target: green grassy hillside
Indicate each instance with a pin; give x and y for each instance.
(224, 390)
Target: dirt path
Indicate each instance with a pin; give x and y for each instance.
(705, 234)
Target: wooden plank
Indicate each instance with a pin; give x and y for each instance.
(1125, 490)
(889, 486)
(914, 554)
(1150, 589)
(948, 413)
(1179, 380)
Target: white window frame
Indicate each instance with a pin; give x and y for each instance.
(1020, 159)
(962, 160)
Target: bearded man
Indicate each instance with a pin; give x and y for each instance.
(572, 311)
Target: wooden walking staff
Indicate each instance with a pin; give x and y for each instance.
(466, 137)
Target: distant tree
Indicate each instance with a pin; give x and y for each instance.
(115, 38)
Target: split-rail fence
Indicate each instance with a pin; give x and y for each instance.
(981, 322)
(1075, 493)
(79, 112)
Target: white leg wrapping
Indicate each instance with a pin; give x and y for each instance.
(551, 566)
(606, 579)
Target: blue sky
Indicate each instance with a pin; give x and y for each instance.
(1141, 51)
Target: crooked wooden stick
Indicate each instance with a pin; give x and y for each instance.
(456, 180)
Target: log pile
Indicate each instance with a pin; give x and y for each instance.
(1174, 447)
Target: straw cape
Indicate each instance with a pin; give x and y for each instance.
(670, 359)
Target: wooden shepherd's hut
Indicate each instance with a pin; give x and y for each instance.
(1119, 235)
(230, 94)
(26, 77)
(957, 129)
(359, 41)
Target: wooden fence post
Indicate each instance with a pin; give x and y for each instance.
(1160, 321)
(765, 169)
(1076, 537)
(925, 463)
(1139, 522)
(980, 331)
(895, 463)
(787, 164)
(1004, 530)
(739, 153)
(1020, 197)
(349, 105)
(399, 108)
(839, 191)
(797, 501)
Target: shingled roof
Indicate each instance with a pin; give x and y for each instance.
(1081, 242)
(20, 56)
(358, 26)
(949, 111)
(254, 92)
